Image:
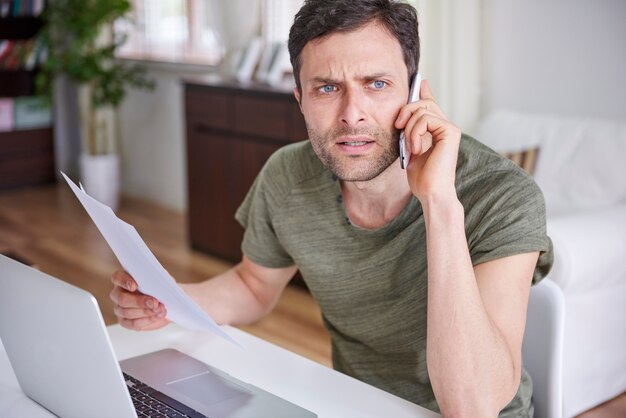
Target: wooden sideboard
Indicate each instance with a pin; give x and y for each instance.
(26, 158)
(231, 132)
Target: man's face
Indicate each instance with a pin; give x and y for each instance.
(353, 85)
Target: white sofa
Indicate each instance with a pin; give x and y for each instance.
(581, 169)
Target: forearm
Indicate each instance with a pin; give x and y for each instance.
(235, 297)
(471, 368)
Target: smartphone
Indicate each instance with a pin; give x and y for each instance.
(414, 93)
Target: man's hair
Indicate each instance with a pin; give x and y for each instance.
(319, 18)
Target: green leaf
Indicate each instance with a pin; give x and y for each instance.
(71, 37)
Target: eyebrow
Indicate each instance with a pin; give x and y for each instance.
(328, 80)
(323, 80)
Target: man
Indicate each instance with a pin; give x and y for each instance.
(422, 275)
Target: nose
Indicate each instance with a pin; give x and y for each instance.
(352, 108)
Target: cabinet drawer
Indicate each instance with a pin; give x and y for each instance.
(214, 110)
(267, 118)
(30, 141)
(297, 127)
(231, 132)
(27, 170)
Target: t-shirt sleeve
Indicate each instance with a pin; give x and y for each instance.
(262, 203)
(506, 216)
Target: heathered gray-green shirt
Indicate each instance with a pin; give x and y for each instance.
(371, 285)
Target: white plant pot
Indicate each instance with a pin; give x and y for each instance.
(100, 176)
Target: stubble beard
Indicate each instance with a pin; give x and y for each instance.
(356, 167)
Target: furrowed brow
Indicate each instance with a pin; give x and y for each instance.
(378, 75)
(323, 80)
(364, 78)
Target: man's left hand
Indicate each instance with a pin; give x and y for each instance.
(433, 143)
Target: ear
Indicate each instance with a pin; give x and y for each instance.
(296, 94)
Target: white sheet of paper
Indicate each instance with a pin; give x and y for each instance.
(137, 259)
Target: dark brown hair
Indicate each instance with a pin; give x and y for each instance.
(318, 18)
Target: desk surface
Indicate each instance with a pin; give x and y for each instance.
(288, 375)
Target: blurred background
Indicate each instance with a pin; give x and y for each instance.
(563, 57)
(196, 94)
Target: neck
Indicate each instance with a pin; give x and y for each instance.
(374, 203)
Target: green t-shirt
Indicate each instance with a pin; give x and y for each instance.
(371, 285)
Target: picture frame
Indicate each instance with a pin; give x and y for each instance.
(249, 60)
(278, 66)
(267, 58)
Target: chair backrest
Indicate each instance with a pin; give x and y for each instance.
(542, 349)
(573, 176)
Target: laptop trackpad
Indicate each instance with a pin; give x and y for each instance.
(207, 388)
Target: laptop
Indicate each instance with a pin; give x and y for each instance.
(60, 351)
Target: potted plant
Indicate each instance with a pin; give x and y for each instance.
(81, 46)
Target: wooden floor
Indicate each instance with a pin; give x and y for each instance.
(48, 227)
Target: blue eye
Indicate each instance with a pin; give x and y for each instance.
(328, 88)
(378, 84)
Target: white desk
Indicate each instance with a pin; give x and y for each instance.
(288, 375)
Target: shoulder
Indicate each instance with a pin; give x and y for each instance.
(476, 157)
(480, 166)
(504, 208)
(488, 182)
(291, 167)
(297, 158)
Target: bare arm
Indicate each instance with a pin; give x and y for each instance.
(476, 319)
(476, 315)
(242, 294)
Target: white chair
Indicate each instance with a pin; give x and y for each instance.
(580, 168)
(542, 348)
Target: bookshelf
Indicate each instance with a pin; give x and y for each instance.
(26, 134)
(20, 27)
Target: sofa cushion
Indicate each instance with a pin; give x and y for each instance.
(580, 165)
(525, 159)
(589, 250)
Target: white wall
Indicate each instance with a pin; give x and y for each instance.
(152, 144)
(450, 56)
(564, 57)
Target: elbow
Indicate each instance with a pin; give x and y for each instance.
(476, 407)
(477, 402)
(261, 301)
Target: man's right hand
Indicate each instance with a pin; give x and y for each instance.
(133, 309)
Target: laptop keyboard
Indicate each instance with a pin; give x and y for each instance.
(151, 403)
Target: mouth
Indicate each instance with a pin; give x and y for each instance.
(354, 140)
(354, 143)
(355, 146)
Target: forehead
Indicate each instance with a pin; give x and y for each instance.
(367, 50)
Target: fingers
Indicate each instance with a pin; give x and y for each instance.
(427, 101)
(425, 92)
(135, 313)
(133, 309)
(137, 319)
(417, 131)
(143, 324)
(126, 299)
(411, 112)
(124, 280)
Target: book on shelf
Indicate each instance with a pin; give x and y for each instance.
(32, 112)
(21, 8)
(24, 112)
(6, 115)
(21, 54)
